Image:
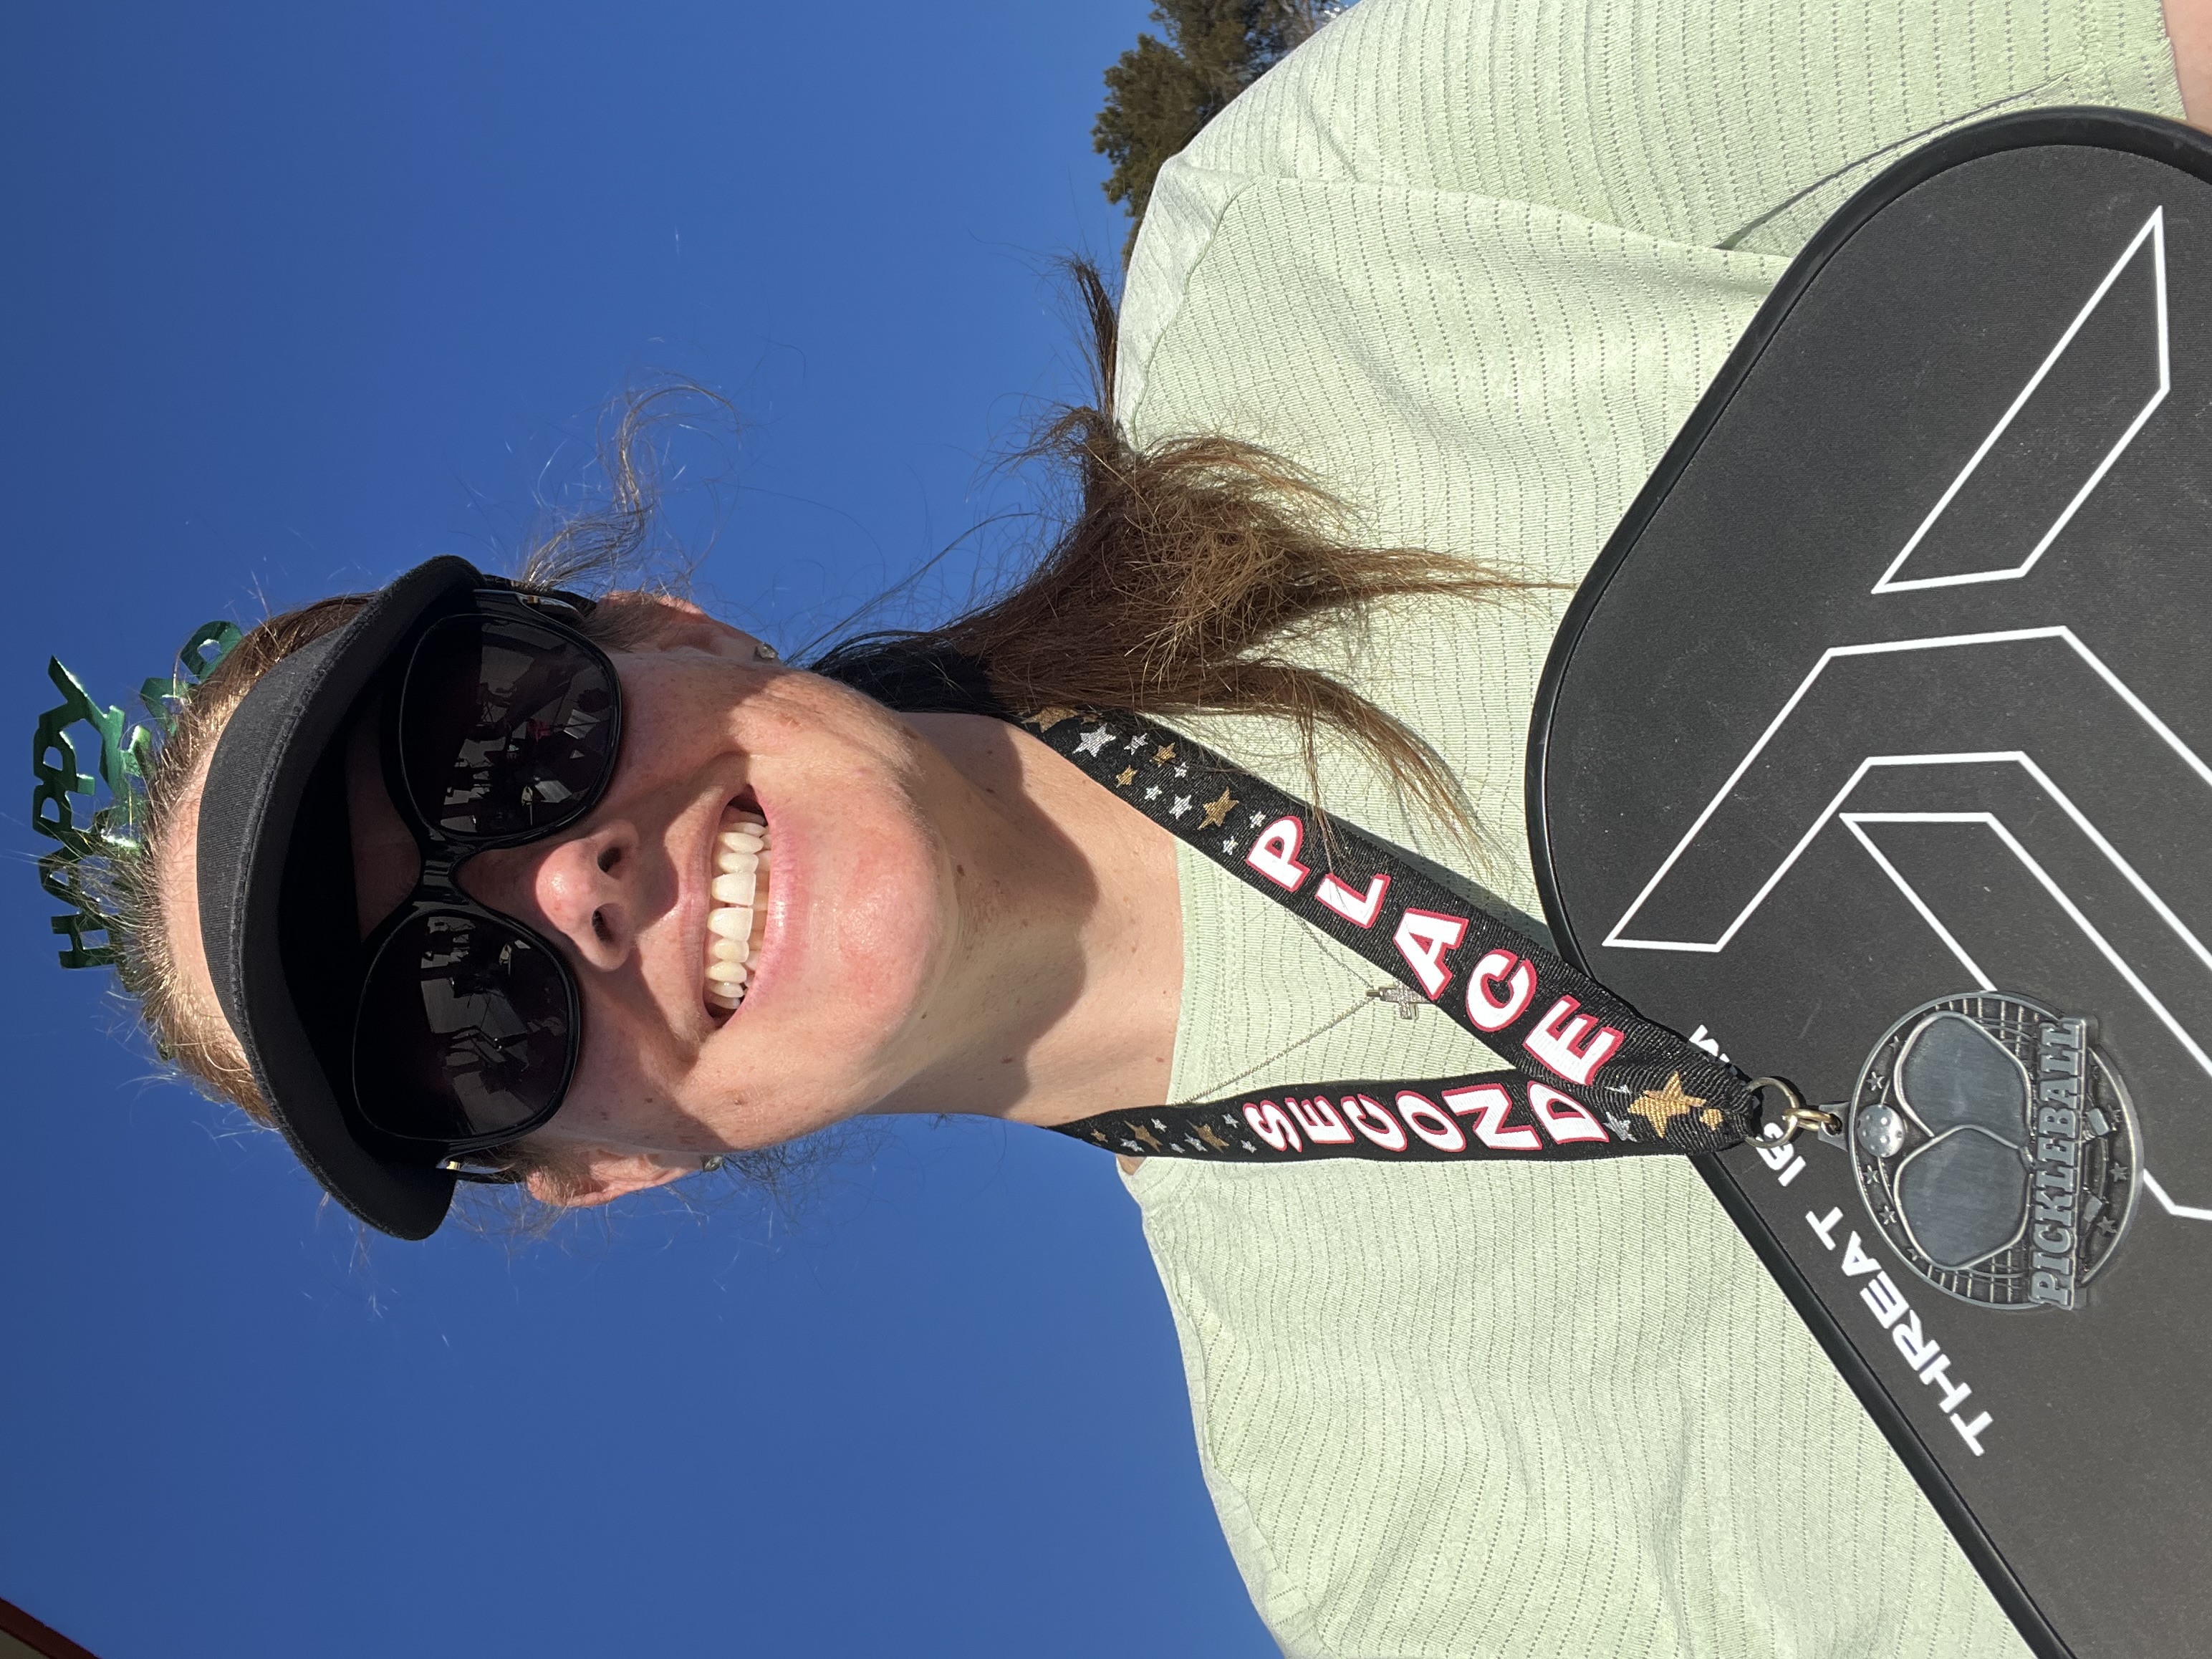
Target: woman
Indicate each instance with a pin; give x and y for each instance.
(1481, 1409)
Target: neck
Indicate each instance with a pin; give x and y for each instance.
(1067, 978)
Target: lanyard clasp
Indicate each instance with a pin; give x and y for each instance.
(1796, 1116)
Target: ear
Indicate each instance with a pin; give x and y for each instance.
(677, 624)
(600, 1175)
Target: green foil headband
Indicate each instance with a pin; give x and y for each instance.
(110, 835)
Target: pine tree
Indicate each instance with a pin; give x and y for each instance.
(1161, 91)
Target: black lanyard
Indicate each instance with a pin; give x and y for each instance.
(1594, 1079)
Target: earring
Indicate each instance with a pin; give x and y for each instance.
(709, 1164)
(766, 651)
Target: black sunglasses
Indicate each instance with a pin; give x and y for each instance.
(502, 725)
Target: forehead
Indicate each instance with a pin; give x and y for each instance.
(176, 885)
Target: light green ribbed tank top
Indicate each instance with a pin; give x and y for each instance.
(1472, 262)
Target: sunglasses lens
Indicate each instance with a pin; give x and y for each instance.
(506, 728)
(466, 1028)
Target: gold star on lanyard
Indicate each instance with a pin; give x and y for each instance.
(1163, 754)
(1218, 811)
(1206, 1134)
(1661, 1107)
(1126, 776)
(1045, 718)
(1146, 1136)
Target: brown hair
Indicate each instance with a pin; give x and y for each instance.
(1181, 581)
(188, 1031)
(1184, 582)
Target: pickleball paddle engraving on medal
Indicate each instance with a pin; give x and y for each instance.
(1995, 1149)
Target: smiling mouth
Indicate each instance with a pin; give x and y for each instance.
(737, 916)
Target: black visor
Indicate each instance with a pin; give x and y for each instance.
(273, 849)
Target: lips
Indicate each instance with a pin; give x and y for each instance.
(737, 914)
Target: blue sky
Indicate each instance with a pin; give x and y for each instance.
(297, 296)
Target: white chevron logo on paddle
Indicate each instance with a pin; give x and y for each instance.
(2139, 271)
(1985, 777)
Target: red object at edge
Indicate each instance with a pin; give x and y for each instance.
(39, 1638)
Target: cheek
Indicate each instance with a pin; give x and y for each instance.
(682, 710)
(890, 929)
(627, 1080)
(856, 1009)
(845, 778)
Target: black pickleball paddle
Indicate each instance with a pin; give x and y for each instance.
(1877, 751)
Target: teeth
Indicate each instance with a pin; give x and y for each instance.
(736, 920)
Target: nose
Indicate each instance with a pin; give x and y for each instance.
(581, 888)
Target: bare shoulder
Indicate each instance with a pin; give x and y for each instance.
(2189, 31)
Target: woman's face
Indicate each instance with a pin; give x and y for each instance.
(860, 897)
